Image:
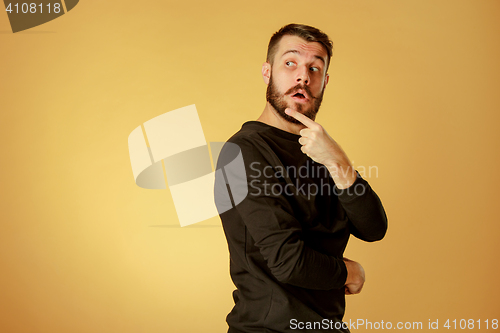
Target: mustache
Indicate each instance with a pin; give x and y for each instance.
(303, 87)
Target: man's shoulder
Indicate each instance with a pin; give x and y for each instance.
(249, 132)
(249, 141)
(249, 137)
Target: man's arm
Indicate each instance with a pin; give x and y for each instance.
(366, 214)
(361, 203)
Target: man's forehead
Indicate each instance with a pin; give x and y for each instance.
(298, 45)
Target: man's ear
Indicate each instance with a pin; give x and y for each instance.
(327, 78)
(266, 72)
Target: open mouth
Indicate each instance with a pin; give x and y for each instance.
(300, 97)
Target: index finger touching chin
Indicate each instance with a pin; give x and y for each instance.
(300, 117)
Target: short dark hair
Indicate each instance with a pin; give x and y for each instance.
(305, 32)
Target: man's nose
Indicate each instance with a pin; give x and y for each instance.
(303, 75)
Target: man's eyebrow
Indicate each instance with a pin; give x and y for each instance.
(290, 51)
(298, 52)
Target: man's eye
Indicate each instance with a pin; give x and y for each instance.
(314, 69)
(289, 63)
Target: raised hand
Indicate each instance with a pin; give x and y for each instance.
(321, 148)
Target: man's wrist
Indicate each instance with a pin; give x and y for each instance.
(343, 176)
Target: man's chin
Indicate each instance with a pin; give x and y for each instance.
(306, 110)
(308, 113)
(288, 118)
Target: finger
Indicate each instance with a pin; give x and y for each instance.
(300, 117)
(305, 132)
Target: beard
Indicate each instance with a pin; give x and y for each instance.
(278, 102)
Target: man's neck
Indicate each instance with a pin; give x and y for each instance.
(271, 117)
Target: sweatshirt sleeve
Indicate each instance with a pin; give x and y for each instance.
(269, 219)
(364, 210)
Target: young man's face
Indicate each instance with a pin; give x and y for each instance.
(297, 78)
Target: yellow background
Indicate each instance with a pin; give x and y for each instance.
(413, 90)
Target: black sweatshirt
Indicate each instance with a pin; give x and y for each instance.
(287, 227)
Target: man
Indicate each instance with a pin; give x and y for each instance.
(289, 207)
